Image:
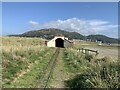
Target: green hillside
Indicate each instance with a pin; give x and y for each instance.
(51, 32)
(102, 38)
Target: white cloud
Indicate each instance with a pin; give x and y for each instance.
(85, 27)
(81, 26)
(34, 25)
(33, 22)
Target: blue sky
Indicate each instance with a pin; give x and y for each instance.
(83, 17)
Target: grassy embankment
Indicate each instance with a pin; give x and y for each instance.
(89, 72)
(23, 60)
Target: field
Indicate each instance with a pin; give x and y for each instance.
(28, 63)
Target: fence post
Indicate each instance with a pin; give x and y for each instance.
(82, 50)
(97, 52)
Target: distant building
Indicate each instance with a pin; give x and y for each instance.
(99, 42)
(59, 41)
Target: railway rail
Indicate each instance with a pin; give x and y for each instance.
(45, 77)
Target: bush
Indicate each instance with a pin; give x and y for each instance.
(79, 81)
(100, 73)
(88, 57)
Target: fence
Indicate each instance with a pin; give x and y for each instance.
(83, 50)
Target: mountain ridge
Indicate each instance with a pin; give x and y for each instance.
(51, 32)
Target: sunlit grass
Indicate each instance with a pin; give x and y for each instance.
(23, 60)
(94, 73)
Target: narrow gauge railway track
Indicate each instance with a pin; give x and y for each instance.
(47, 71)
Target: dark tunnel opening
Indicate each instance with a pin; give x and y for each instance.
(59, 43)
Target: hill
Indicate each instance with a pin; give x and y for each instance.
(51, 32)
(102, 38)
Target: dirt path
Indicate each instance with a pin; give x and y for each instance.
(58, 74)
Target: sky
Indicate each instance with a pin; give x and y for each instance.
(83, 17)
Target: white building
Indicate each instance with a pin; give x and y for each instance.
(59, 41)
(99, 42)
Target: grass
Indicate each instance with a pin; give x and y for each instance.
(23, 55)
(23, 61)
(30, 78)
(21, 41)
(74, 62)
(94, 73)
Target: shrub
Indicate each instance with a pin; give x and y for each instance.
(100, 73)
(79, 81)
(88, 57)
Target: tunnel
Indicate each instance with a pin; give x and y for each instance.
(59, 43)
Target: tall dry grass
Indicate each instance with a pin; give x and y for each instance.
(18, 54)
(90, 72)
